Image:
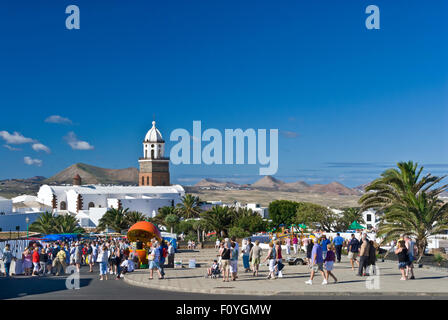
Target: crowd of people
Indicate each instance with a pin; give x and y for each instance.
(321, 254)
(113, 257)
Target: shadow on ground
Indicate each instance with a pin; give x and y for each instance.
(17, 287)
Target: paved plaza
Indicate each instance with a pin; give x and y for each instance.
(428, 282)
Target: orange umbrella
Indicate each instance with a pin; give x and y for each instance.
(143, 231)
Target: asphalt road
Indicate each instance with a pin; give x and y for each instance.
(91, 288)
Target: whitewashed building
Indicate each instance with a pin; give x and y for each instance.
(89, 202)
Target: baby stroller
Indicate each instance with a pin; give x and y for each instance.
(216, 273)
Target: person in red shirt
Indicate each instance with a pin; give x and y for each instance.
(36, 260)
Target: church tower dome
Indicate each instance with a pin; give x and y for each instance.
(154, 134)
(154, 167)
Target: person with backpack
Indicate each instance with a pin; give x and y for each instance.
(163, 254)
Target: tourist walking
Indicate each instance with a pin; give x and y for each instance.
(324, 242)
(43, 261)
(271, 257)
(255, 257)
(225, 261)
(7, 259)
(288, 245)
(363, 256)
(295, 244)
(163, 250)
(78, 256)
(171, 254)
(27, 261)
(412, 252)
(247, 246)
(234, 261)
(154, 261)
(278, 265)
(309, 250)
(371, 263)
(353, 249)
(102, 259)
(403, 258)
(317, 262)
(60, 262)
(338, 242)
(329, 263)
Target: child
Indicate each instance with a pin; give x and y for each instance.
(213, 270)
(329, 262)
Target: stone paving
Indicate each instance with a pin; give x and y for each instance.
(427, 282)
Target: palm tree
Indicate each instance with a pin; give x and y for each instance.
(218, 219)
(410, 202)
(44, 224)
(171, 220)
(163, 212)
(114, 219)
(348, 216)
(423, 216)
(47, 223)
(134, 216)
(67, 224)
(189, 207)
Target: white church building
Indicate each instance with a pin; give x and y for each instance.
(90, 202)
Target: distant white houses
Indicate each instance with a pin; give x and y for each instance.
(14, 218)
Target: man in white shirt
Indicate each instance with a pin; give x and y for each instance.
(171, 253)
(127, 266)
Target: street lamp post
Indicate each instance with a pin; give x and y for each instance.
(27, 220)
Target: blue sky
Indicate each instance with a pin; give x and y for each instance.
(348, 102)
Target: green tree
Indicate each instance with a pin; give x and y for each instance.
(171, 221)
(134, 216)
(251, 223)
(348, 216)
(283, 212)
(219, 219)
(47, 223)
(316, 216)
(189, 207)
(114, 219)
(67, 224)
(163, 212)
(410, 203)
(238, 232)
(44, 224)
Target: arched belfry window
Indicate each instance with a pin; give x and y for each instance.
(91, 205)
(63, 205)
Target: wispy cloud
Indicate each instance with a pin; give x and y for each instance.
(58, 119)
(76, 144)
(40, 147)
(15, 138)
(11, 148)
(289, 134)
(29, 161)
